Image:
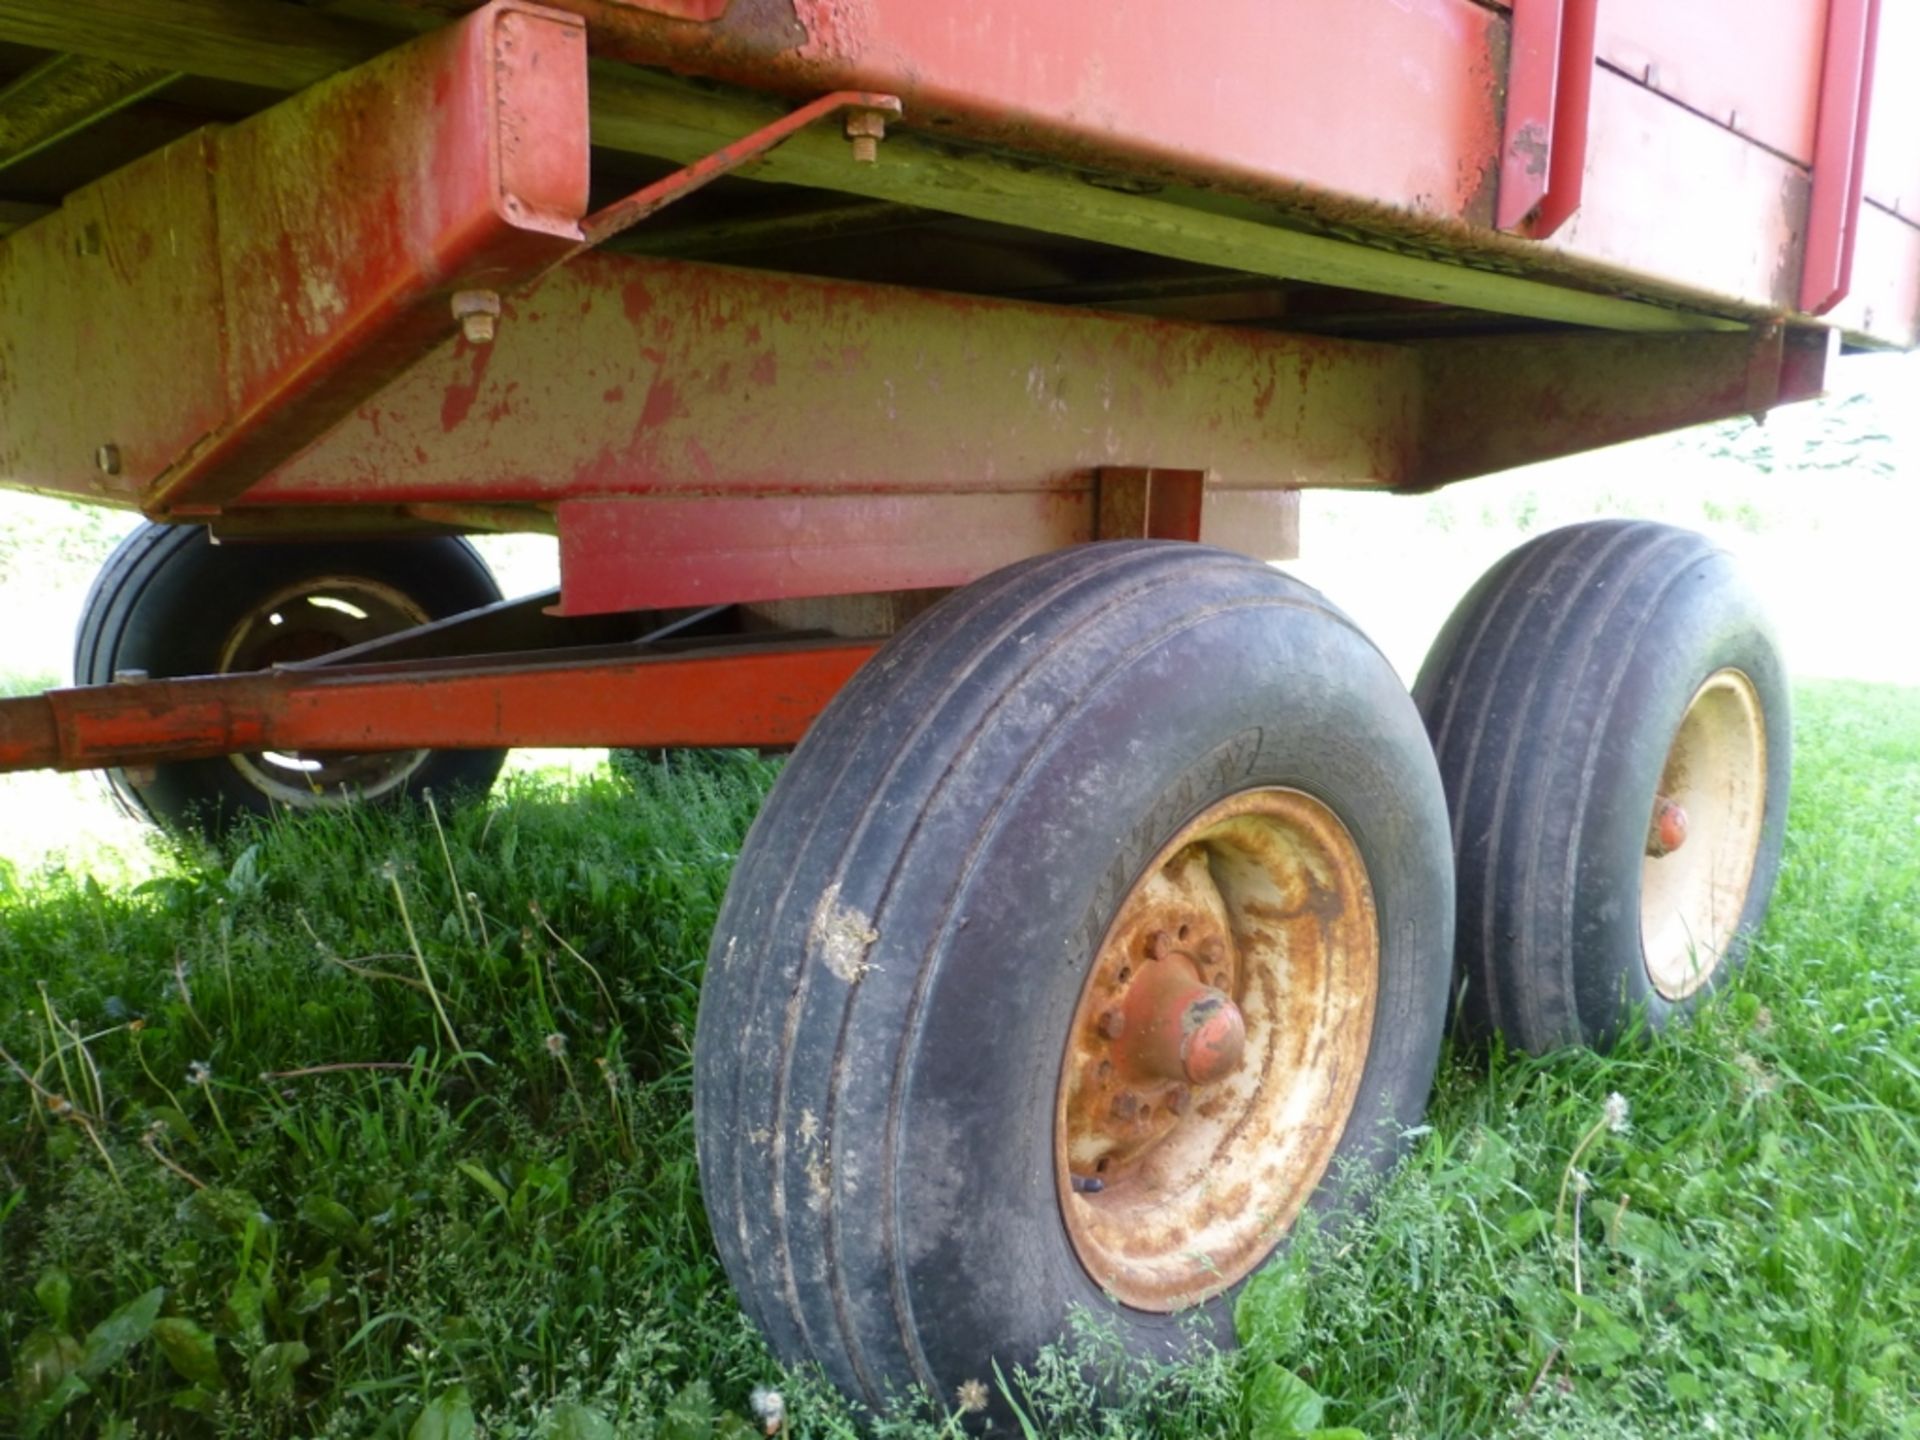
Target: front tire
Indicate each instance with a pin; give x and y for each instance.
(169, 602)
(895, 1048)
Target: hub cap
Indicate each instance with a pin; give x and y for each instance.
(1699, 863)
(1217, 1049)
(303, 622)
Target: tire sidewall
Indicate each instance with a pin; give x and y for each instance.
(1708, 622)
(1131, 765)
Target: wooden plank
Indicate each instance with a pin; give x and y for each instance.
(653, 116)
(66, 93)
(290, 47)
(15, 213)
(278, 47)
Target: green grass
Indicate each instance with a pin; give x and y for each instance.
(226, 1223)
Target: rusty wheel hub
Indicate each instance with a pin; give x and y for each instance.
(1217, 1049)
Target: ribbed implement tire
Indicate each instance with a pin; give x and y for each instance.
(894, 972)
(1553, 695)
(168, 598)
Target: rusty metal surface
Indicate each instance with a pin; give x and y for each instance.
(1494, 404)
(1086, 81)
(225, 300)
(1306, 124)
(85, 295)
(619, 375)
(741, 695)
(1216, 1049)
(664, 553)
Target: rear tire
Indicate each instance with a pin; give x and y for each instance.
(1589, 673)
(170, 602)
(890, 1021)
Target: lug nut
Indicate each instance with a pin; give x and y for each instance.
(1160, 945)
(1113, 1023)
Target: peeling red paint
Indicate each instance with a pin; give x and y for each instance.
(460, 396)
(662, 403)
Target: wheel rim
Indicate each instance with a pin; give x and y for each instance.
(303, 622)
(1217, 1049)
(1704, 836)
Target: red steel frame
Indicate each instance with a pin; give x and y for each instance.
(403, 311)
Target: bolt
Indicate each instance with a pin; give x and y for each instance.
(1126, 1105)
(1177, 1099)
(107, 457)
(1087, 1184)
(477, 311)
(1668, 832)
(1160, 945)
(1112, 1023)
(866, 129)
(1213, 950)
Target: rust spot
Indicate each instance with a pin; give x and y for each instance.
(614, 395)
(461, 395)
(1530, 147)
(636, 300)
(663, 403)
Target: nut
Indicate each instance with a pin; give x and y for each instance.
(1113, 1022)
(866, 129)
(477, 311)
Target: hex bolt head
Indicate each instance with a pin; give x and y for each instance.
(478, 312)
(1160, 945)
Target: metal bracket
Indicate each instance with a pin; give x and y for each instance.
(1839, 154)
(604, 224)
(1543, 148)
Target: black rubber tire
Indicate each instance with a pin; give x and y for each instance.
(1553, 694)
(877, 1153)
(167, 600)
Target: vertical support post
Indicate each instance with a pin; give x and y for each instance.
(1839, 153)
(1543, 151)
